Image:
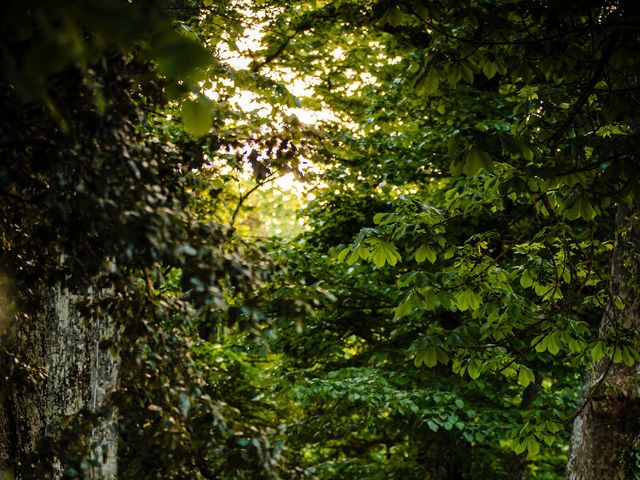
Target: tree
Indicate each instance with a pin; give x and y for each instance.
(606, 431)
(471, 247)
(103, 248)
(510, 128)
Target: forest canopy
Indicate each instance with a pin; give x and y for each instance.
(378, 239)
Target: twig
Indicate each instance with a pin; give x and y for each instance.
(241, 200)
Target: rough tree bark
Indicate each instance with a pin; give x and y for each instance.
(609, 422)
(80, 371)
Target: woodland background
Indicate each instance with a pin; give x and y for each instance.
(377, 239)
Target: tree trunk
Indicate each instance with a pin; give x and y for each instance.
(79, 370)
(608, 425)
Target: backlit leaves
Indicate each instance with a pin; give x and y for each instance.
(468, 300)
(197, 116)
(384, 252)
(525, 376)
(425, 252)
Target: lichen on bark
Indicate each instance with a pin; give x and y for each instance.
(76, 353)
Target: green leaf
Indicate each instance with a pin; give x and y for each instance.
(467, 73)
(197, 116)
(580, 208)
(533, 446)
(378, 256)
(525, 280)
(598, 352)
(384, 252)
(383, 218)
(618, 302)
(454, 74)
(477, 159)
(443, 357)
(552, 343)
(513, 145)
(474, 368)
(541, 343)
(430, 82)
(525, 376)
(363, 252)
(519, 448)
(617, 355)
(343, 254)
(468, 299)
(403, 310)
(425, 252)
(627, 357)
(178, 56)
(393, 16)
(553, 427)
(353, 257)
(489, 69)
(574, 345)
(430, 357)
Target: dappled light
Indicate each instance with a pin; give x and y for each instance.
(320, 240)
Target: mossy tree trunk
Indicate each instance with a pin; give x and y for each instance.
(75, 368)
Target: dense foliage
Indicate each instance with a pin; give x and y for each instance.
(485, 149)
(439, 311)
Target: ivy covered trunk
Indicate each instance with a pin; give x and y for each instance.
(606, 432)
(74, 369)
